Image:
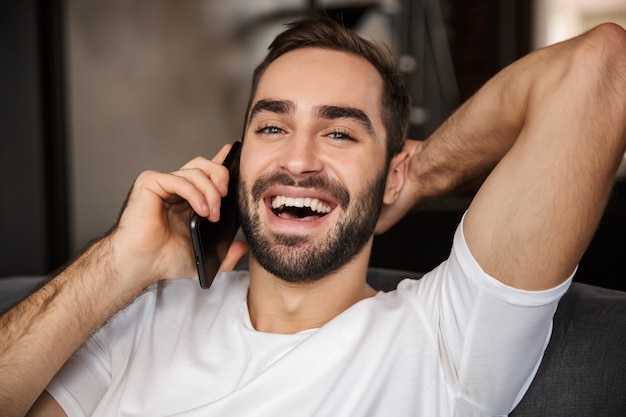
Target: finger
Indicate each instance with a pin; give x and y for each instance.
(413, 145)
(206, 185)
(218, 159)
(235, 252)
(214, 170)
(171, 188)
(219, 176)
(221, 155)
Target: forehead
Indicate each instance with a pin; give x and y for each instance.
(314, 76)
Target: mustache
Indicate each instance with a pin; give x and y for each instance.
(318, 182)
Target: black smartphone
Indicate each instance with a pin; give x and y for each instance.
(211, 240)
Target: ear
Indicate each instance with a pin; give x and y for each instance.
(398, 168)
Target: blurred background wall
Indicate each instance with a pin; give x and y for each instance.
(94, 92)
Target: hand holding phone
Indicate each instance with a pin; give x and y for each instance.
(211, 240)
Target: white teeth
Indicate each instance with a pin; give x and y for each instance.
(313, 203)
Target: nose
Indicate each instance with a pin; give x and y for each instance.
(301, 156)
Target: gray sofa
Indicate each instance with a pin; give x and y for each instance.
(583, 372)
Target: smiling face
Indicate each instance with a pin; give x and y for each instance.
(313, 164)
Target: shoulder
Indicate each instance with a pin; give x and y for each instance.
(172, 301)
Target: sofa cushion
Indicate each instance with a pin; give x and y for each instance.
(583, 372)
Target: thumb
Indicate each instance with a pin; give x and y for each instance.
(235, 252)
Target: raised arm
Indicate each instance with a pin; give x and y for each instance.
(554, 126)
(149, 243)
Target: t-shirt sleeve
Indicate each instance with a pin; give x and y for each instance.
(86, 378)
(491, 336)
(80, 385)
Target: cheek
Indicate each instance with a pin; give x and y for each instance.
(256, 150)
(252, 162)
(357, 171)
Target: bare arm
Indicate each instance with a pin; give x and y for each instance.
(554, 126)
(534, 217)
(40, 334)
(149, 243)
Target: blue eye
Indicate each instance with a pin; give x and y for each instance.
(340, 135)
(269, 130)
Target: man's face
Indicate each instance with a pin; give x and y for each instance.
(313, 163)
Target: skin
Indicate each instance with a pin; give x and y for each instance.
(551, 129)
(556, 137)
(149, 243)
(298, 141)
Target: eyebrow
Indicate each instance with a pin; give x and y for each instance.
(273, 106)
(324, 111)
(341, 112)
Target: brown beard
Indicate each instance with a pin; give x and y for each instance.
(295, 258)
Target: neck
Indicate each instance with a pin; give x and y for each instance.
(277, 306)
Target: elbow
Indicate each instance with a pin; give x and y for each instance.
(610, 33)
(596, 79)
(601, 61)
(603, 53)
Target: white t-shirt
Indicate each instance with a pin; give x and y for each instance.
(454, 343)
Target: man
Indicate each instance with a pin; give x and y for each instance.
(303, 333)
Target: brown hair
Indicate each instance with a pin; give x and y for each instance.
(329, 34)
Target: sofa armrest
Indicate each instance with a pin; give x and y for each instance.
(583, 371)
(15, 289)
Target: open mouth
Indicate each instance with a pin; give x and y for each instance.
(301, 208)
